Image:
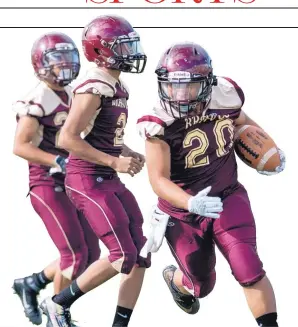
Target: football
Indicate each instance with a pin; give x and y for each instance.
(256, 148)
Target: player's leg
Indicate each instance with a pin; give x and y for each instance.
(91, 240)
(109, 221)
(235, 235)
(60, 219)
(131, 284)
(193, 248)
(50, 270)
(62, 223)
(28, 288)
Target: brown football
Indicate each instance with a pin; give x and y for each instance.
(256, 148)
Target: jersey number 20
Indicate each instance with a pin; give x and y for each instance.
(201, 136)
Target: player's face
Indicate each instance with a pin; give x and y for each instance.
(62, 63)
(182, 92)
(128, 48)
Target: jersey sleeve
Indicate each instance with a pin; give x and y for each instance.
(24, 108)
(40, 102)
(96, 82)
(33, 104)
(227, 97)
(153, 125)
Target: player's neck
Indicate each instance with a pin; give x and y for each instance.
(55, 87)
(112, 72)
(199, 109)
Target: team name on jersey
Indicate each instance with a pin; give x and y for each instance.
(122, 103)
(190, 121)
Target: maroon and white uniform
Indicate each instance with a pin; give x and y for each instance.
(72, 235)
(106, 129)
(96, 190)
(201, 155)
(50, 108)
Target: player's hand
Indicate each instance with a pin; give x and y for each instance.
(128, 165)
(206, 206)
(158, 225)
(138, 156)
(60, 166)
(278, 169)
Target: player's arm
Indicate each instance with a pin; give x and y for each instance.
(158, 160)
(128, 152)
(26, 130)
(82, 111)
(244, 119)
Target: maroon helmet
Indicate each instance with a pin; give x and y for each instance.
(111, 42)
(185, 78)
(55, 59)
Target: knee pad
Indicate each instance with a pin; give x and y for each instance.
(74, 262)
(200, 288)
(123, 262)
(246, 265)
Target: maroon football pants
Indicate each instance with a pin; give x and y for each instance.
(114, 215)
(71, 233)
(234, 233)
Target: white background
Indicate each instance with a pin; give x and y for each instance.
(263, 62)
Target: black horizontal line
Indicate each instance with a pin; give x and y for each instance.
(161, 27)
(155, 8)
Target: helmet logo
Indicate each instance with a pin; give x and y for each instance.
(179, 74)
(64, 46)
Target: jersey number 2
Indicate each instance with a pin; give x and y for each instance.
(119, 132)
(59, 119)
(201, 136)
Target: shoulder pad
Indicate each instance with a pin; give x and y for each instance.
(41, 101)
(226, 95)
(96, 81)
(153, 124)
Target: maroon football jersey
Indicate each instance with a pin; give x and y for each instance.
(50, 108)
(202, 145)
(105, 130)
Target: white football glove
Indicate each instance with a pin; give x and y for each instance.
(60, 166)
(206, 206)
(278, 169)
(158, 225)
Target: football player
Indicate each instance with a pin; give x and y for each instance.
(40, 116)
(201, 202)
(99, 110)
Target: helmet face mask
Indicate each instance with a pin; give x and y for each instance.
(185, 79)
(56, 59)
(111, 42)
(129, 54)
